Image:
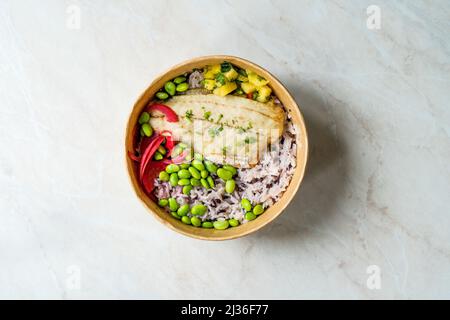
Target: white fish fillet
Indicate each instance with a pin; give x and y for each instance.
(226, 129)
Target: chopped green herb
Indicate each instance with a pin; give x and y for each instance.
(250, 140)
(225, 67)
(220, 118)
(220, 79)
(206, 115)
(242, 72)
(214, 132)
(224, 151)
(189, 115)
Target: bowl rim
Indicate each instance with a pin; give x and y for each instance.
(305, 145)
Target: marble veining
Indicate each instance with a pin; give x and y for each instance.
(375, 197)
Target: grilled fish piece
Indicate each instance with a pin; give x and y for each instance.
(226, 129)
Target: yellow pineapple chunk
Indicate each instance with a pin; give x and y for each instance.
(248, 87)
(209, 84)
(211, 71)
(225, 89)
(231, 74)
(242, 78)
(263, 94)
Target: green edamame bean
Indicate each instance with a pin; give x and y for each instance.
(184, 182)
(198, 210)
(196, 222)
(183, 210)
(224, 174)
(197, 164)
(211, 167)
(198, 156)
(204, 183)
(230, 185)
(210, 181)
(144, 118)
(195, 182)
(179, 79)
(173, 205)
(176, 151)
(182, 87)
(171, 168)
(184, 174)
(233, 222)
(204, 174)
(164, 176)
(147, 129)
(162, 150)
(173, 179)
(221, 225)
(250, 216)
(158, 156)
(246, 204)
(163, 202)
(186, 220)
(170, 88)
(162, 95)
(185, 166)
(187, 190)
(194, 172)
(230, 168)
(258, 209)
(207, 224)
(175, 215)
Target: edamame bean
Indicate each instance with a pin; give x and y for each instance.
(195, 182)
(194, 172)
(173, 179)
(230, 168)
(250, 216)
(184, 174)
(147, 129)
(198, 210)
(258, 209)
(173, 205)
(183, 210)
(211, 167)
(162, 150)
(198, 156)
(158, 156)
(179, 79)
(210, 181)
(196, 222)
(170, 88)
(164, 176)
(246, 204)
(204, 174)
(184, 182)
(233, 222)
(162, 95)
(175, 215)
(230, 185)
(204, 183)
(182, 87)
(187, 190)
(224, 174)
(176, 151)
(221, 224)
(171, 168)
(197, 164)
(163, 202)
(144, 118)
(185, 166)
(207, 224)
(186, 220)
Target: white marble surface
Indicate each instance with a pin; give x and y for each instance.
(377, 191)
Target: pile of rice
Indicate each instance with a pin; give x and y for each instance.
(265, 183)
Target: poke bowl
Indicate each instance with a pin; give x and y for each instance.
(216, 147)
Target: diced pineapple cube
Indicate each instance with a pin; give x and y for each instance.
(231, 74)
(209, 84)
(257, 80)
(225, 89)
(248, 87)
(211, 71)
(263, 93)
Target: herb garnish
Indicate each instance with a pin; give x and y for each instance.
(189, 115)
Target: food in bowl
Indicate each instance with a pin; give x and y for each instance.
(215, 147)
